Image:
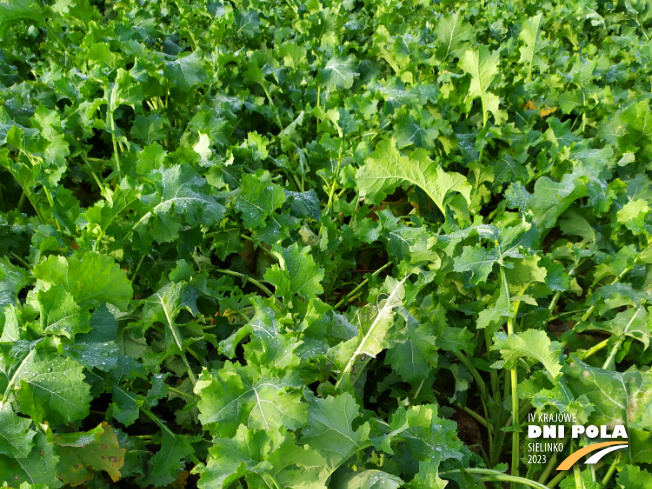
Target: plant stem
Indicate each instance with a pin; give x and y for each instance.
(133, 275)
(271, 102)
(181, 393)
(483, 392)
(21, 202)
(260, 247)
(157, 421)
(513, 378)
(115, 146)
(557, 479)
(346, 298)
(495, 384)
(579, 483)
(611, 470)
(595, 348)
(329, 204)
(610, 359)
(27, 192)
(551, 464)
(620, 275)
(252, 280)
(494, 475)
(20, 260)
(94, 175)
(473, 371)
(474, 415)
(177, 340)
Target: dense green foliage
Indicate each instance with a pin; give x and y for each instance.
(310, 244)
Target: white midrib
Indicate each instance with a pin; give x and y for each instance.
(13, 377)
(384, 311)
(177, 340)
(450, 40)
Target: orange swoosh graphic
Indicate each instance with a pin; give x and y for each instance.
(574, 457)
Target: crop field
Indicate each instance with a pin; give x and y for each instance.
(320, 244)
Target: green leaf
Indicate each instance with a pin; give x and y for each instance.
(237, 395)
(416, 128)
(482, 65)
(453, 35)
(297, 273)
(90, 278)
(429, 439)
(550, 199)
(508, 241)
(232, 458)
(149, 128)
(246, 23)
(180, 197)
(39, 467)
(51, 388)
(478, 261)
(497, 314)
(186, 72)
(339, 72)
(386, 169)
(263, 325)
(13, 10)
(413, 245)
(16, 437)
(203, 147)
(633, 215)
(374, 323)
(98, 348)
(525, 272)
(532, 344)
(104, 213)
(414, 353)
(633, 477)
(633, 323)
(81, 454)
(60, 314)
(164, 467)
(529, 35)
(165, 304)
(636, 131)
(258, 198)
(619, 398)
(367, 479)
(12, 280)
(330, 431)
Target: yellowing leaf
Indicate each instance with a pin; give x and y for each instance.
(546, 111)
(81, 454)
